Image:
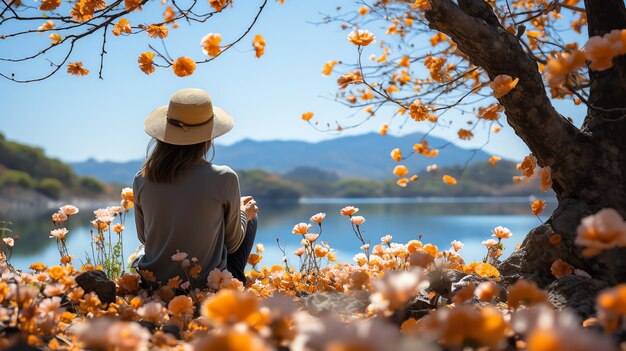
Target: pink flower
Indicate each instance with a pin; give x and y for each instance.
(604, 230)
(349, 210)
(490, 242)
(311, 237)
(179, 256)
(318, 218)
(59, 233)
(9, 241)
(69, 210)
(127, 194)
(357, 220)
(457, 245)
(501, 232)
(301, 228)
(59, 217)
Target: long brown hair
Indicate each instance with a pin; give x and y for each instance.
(164, 161)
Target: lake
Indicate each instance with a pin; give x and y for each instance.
(439, 220)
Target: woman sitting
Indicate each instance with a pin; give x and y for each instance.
(189, 211)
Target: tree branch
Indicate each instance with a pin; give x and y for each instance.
(528, 109)
(608, 88)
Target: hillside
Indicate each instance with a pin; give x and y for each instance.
(362, 156)
(28, 172)
(478, 179)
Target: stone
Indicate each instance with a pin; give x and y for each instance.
(335, 302)
(576, 293)
(96, 281)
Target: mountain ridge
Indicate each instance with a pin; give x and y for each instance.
(356, 156)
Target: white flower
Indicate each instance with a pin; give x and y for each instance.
(9, 241)
(152, 311)
(59, 233)
(69, 210)
(51, 305)
(394, 289)
(386, 239)
(490, 242)
(360, 259)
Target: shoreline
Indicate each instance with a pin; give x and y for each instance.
(424, 199)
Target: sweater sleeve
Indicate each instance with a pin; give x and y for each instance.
(138, 213)
(235, 220)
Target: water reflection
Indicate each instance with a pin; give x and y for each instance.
(440, 222)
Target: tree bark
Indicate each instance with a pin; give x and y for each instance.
(588, 164)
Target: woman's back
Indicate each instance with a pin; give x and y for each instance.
(197, 214)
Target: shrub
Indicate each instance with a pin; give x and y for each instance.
(90, 184)
(12, 178)
(50, 187)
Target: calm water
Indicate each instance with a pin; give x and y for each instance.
(439, 221)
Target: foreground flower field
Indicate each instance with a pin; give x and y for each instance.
(394, 296)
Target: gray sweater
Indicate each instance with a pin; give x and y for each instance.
(199, 214)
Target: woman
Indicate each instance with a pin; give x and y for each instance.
(185, 206)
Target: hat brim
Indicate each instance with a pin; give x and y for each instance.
(156, 126)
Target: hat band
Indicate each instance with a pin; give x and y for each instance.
(186, 126)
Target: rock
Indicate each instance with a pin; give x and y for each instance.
(440, 283)
(576, 293)
(96, 281)
(172, 329)
(418, 307)
(335, 302)
(22, 346)
(463, 282)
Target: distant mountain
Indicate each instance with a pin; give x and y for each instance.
(362, 156)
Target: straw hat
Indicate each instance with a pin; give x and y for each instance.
(190, 118)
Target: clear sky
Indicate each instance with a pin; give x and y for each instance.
(75, 118)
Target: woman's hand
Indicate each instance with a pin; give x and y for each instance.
(248, 206)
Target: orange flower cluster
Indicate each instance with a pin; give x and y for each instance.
(211, 44)
(361, 37)
(527, 166)
(465, 134)
(307, 116)
(183, 66)
(537, 207)
(602, 231)
(435, 67)
(490, 113)
(349, 78)
(599, 51)
(424, 149)
(83, 10)
(77, 69)
(49, 5)
(493, 160)
(418, 112)
(271, 311)
(145, 62)
(156, 31)
(218, 5)
(502, 85)
(328, 67)
(448, 179)
(122, 26)
(259, 45)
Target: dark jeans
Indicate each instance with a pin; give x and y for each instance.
(236, 261)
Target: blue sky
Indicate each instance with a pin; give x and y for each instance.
(74, 118)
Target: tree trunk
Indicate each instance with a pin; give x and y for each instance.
(588, 164)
